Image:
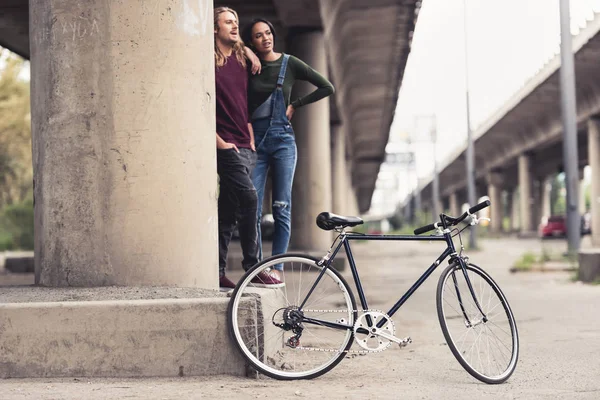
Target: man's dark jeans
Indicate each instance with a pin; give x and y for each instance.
(237, 204)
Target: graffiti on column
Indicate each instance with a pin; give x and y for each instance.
(192, 22)
(71, 27)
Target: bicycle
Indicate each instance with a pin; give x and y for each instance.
(306, 328)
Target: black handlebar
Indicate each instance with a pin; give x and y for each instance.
(479, 207)
(424, 229)
(451, 221)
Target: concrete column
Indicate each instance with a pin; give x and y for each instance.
(515, 208)
(495, 194)
(312, 184)
(352, 202)
(454, 210)
(536, 202)
(123, 122)
(546, 188)
(594, 161)
(525, 188)
(339, 170)
(582, 208)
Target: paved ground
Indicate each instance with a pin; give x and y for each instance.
(558, 321)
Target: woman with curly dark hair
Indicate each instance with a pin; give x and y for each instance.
(271, 110)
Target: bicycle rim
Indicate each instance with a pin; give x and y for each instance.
(253, 312)
(487, 349)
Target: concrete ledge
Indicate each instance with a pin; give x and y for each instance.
(589, 265)
(17, 262)
(117, 338)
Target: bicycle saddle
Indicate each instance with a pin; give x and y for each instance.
(328, 221)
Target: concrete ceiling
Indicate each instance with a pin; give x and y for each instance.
(14, 26)
(368, 43)
(530, 122)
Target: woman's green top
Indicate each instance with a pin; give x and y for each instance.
(262, 85)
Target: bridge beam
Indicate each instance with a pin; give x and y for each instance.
(526, 190)
(495, 182)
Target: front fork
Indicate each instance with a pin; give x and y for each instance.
(462, 262)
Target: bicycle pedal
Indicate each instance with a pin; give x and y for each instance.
(405, 341)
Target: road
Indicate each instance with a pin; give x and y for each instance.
(558, 322)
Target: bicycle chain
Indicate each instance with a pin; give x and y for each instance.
(342, 351)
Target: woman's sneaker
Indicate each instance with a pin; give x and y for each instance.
(264, 280)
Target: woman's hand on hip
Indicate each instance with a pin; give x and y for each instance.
(289, 113)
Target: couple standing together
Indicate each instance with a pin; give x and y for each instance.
(254, 135)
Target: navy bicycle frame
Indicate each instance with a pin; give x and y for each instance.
(345, 239)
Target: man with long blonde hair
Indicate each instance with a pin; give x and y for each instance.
(236, 154)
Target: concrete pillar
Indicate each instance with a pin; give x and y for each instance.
(536, 202)
(352, 202)
(312, 184)
(546, 188)
(582, 207)
(495, 194)
(515, 217)
(339, 170)
(123, 122)
(594, 161)
(453, 209)
(525, 188)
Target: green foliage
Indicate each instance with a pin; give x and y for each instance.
(16, 226)
(16, 172)
(525, 263)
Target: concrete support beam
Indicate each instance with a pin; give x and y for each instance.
(594, 162)
(312, 184)
(515, 208)
(582, 207)
(495, 181)
(526, 190)
(123, 120)
(454, 208)
(546, 196)
(339, 174)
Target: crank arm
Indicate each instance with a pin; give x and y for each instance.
(389, 337)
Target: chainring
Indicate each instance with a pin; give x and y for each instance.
(365, 331)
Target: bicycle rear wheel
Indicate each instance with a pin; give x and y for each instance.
(488, 348)
(264, 322)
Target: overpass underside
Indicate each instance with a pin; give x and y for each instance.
(123, 120)
(519, 149)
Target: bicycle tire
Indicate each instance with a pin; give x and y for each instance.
(491, 329)
(252, 339)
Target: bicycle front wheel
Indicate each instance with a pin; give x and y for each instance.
(286, 333)
(487, 347)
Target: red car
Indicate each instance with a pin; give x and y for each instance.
(556, 226)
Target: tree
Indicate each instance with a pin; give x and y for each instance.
(16, 171)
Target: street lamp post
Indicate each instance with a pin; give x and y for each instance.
(432, 125)
(569, 121)
(470, 146)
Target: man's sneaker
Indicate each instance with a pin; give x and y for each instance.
(264, 280)
(225, 285)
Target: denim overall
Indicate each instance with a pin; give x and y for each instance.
(276, 149)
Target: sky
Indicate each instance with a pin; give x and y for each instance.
(508, 41)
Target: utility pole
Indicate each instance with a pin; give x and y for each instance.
(470, 145)
(436, 179)
(569, 121)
